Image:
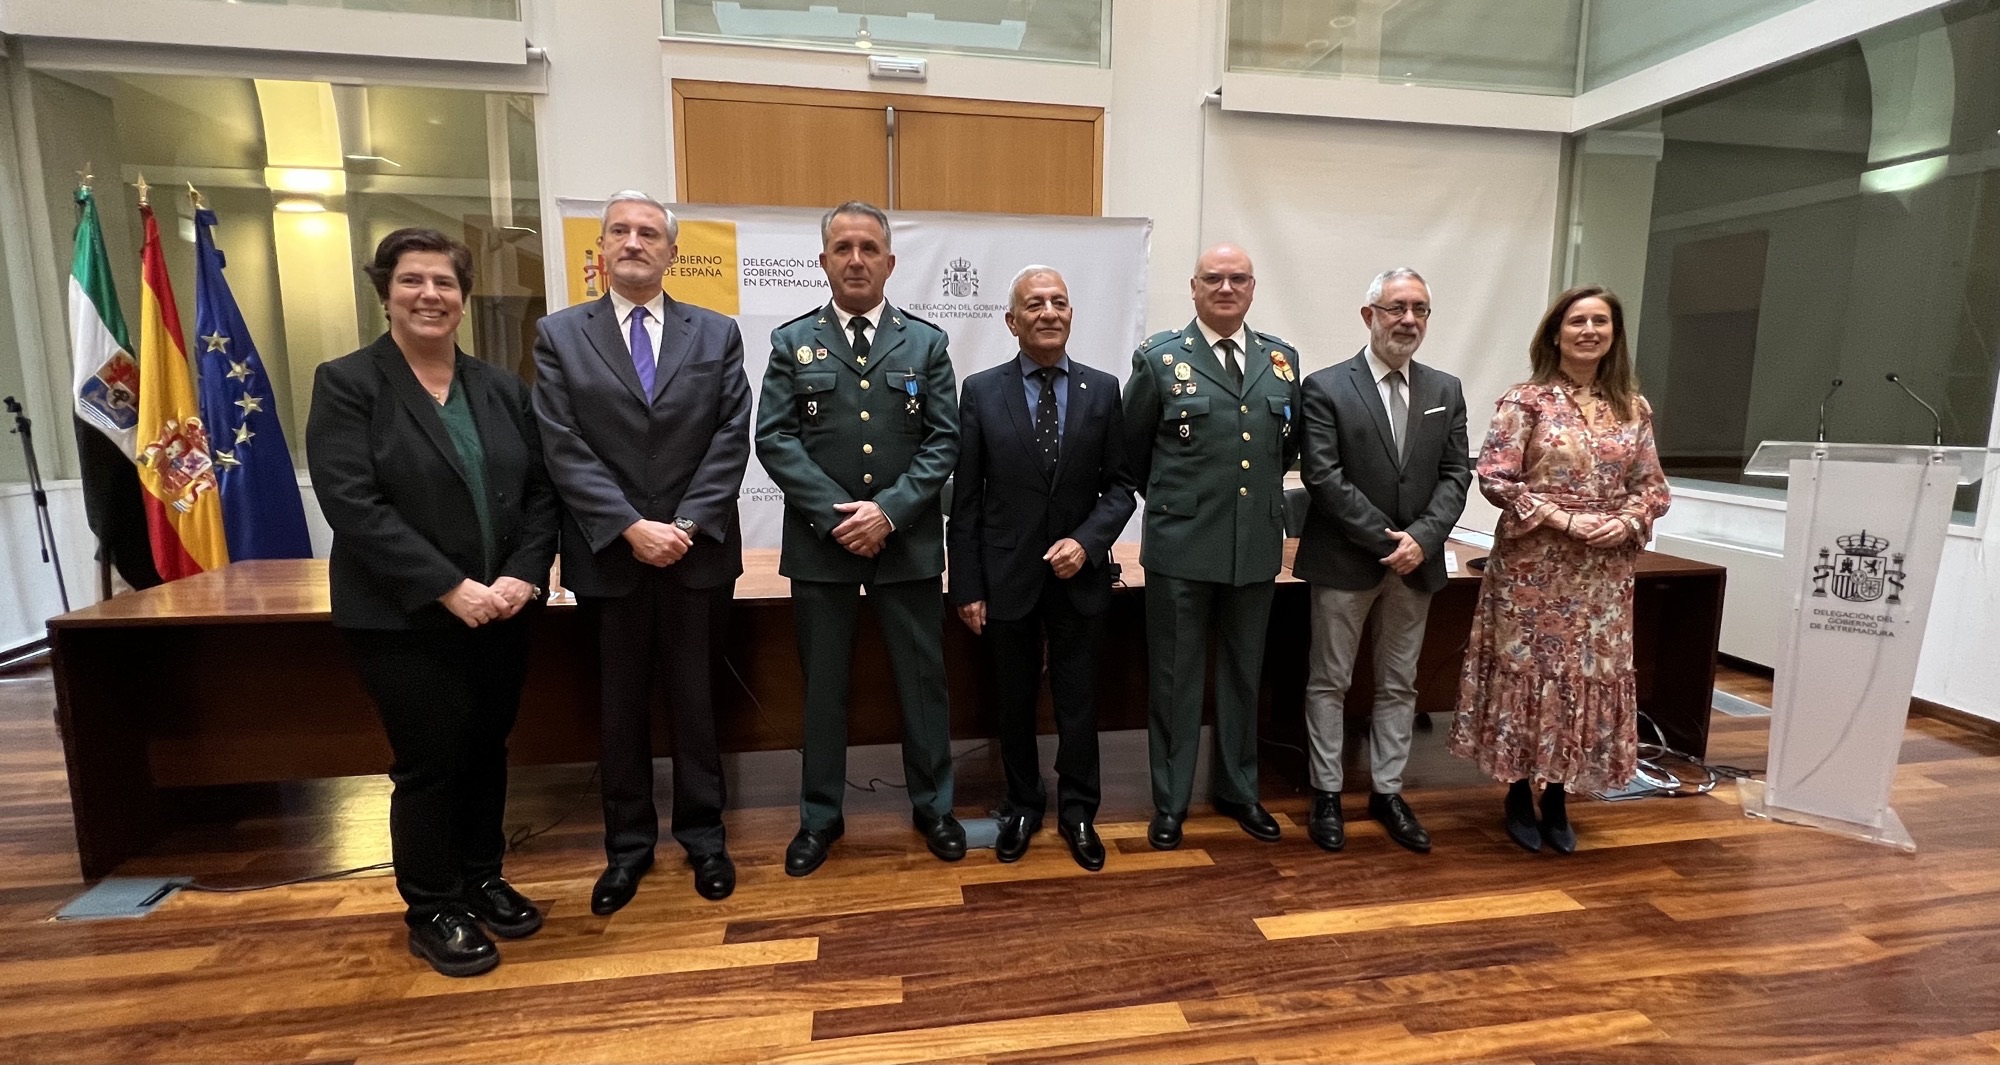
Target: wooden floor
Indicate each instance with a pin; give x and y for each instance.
(1682, 931)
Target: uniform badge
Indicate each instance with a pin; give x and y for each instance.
(819, 353)
(1167, 359)
(1184, 430)
(805, 356)
(1190, 388)
(1177, 389)
(1183, 372)
(812, 408)
(1187, 342)
(1280, 365)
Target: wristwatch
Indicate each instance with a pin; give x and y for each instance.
(687, 526)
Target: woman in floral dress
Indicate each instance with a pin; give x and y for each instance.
(1547, 693)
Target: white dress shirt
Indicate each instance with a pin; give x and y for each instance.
(1380, 371)
(1241, 338)
(873, 317)
(654, 308)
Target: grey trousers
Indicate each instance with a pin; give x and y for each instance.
(1401, 612)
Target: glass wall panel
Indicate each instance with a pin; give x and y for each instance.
(1509, 45)
(305, 178)
(1627, 36)
(1062, 31)
(1834, 218)
(508, 10)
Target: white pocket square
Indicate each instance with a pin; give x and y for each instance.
(1432, 411)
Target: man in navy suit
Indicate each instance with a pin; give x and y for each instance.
(1041, 493)
(645, 415)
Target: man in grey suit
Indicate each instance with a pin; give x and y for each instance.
(645, 415)
(1385, 462)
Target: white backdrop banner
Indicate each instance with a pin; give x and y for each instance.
(760, 265)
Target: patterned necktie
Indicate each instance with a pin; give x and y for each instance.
(1399, 411)
(860, 327)
(642, 351)
(1229, 362)
(1048, 427)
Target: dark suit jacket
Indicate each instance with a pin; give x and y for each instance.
(617, 455)
(391, 485)
(830, 430)
(1005, 512)
(1358, 489)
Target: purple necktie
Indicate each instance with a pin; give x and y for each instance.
(642, 351)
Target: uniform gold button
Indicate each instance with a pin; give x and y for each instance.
(867, 478)
(864, 382)
(1246, 464)
(1243, 491)
(1243, 410)
(1246, 436)
(864, 415)
(868, 449)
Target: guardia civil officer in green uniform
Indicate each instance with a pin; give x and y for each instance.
(1211, 412)
(858, 424)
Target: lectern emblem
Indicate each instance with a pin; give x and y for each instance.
(1860, 573)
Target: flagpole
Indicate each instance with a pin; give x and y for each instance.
(84, 179)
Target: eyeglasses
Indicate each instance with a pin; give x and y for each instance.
(1235, 280)
(1395, 311)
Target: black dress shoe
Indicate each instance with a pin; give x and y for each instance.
(807, 851)
(453, 944)
(1015, 831)
(944, 836)
(1084, 845)
(1327, 827)
(1165, 831)
(1253, 817)
(617, 885)
(714, 875)
(1521, 827)
(1559, 835)
(506, 911)
(1399, 821)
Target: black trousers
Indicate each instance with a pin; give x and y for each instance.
(447, 698)
(659, 638)
(1015, 651)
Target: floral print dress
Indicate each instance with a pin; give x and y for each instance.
(1548, 690)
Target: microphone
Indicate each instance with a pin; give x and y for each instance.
(1837, 382)
(1937, 423)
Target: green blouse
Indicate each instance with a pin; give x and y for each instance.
(464, 432)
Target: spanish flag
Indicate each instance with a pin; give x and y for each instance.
(183, 507)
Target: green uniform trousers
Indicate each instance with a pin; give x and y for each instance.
(1179, 617)
(911, 614)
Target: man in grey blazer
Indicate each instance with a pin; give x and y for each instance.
(645, 416)
(1386, 465)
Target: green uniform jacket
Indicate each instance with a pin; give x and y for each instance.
(1211, 459)
(832, 431)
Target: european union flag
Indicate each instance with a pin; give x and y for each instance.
(261, 510)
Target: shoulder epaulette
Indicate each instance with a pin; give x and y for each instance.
(815, 312)
(1160, 339)
(1273, 338)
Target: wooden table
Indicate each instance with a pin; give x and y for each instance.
(238, 677)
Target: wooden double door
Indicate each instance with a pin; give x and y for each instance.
(755, 144)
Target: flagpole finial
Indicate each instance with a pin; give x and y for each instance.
(194, 196)
(84, 177)
(145, 192)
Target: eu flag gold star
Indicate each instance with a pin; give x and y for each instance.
(239, 371)
(217, 342)
(243, 434)
(251, 404)
(226, 459)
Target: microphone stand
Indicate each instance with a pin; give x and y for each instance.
(1837, 382)
(1937, 423)
(43, 525)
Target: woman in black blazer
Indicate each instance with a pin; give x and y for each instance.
(428, 466)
